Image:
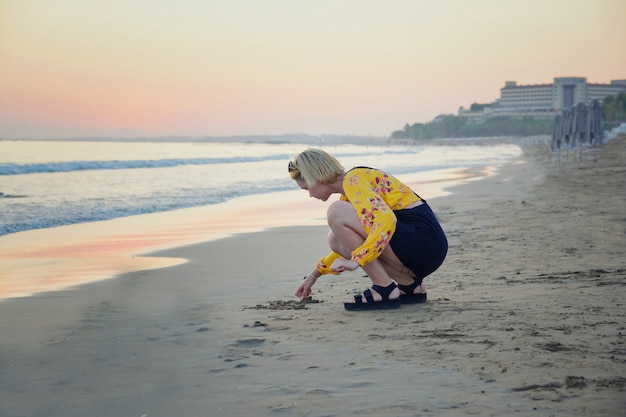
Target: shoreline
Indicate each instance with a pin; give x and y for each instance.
(66, 256)
(525, 317)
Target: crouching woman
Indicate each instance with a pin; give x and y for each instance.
(378, 224)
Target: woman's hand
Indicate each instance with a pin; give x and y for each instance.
(342, 264)
(304, 289)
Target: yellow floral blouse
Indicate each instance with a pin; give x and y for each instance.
(375, 195)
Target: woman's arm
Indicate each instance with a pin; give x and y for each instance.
(304, 289)
(365, 189)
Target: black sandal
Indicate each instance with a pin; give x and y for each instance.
(409, 297)
(383, 304)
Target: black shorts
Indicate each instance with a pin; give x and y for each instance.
(419, 241)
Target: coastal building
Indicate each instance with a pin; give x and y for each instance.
(543, 100)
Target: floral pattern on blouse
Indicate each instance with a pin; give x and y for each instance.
(375, 195)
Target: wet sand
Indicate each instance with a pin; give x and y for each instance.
(526, 317)
(53, 259)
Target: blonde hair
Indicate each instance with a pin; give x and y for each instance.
(315, 166)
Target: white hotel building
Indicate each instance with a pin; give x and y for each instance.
(544, 100)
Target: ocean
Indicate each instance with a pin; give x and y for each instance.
(46, 184)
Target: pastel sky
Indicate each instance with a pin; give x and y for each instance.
(241, 67)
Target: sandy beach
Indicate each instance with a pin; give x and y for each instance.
(526, 317)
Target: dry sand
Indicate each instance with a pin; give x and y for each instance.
(526, 317)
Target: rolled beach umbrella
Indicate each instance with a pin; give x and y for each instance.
(556, 133)
(566, 127)
(596, 131)
(579, 124)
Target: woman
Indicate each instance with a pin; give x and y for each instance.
(378, 224)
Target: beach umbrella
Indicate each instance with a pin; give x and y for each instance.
(566, 127)
(556, 133)
(595, 132)
(579, 124)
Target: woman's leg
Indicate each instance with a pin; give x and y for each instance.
(347, 233)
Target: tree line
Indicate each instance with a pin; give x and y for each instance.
(614, 111)
(450, 126)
